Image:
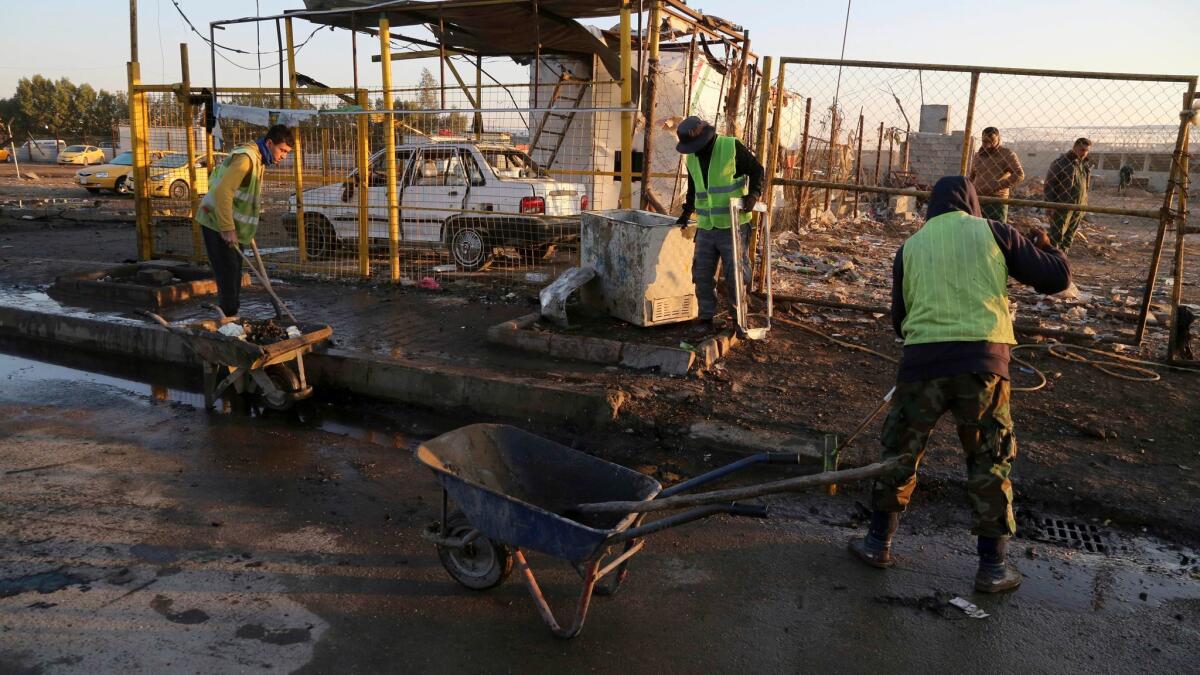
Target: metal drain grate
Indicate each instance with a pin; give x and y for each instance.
(1076, 535)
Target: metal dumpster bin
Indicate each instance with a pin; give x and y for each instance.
(643, 265)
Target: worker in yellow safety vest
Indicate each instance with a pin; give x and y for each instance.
(720, 168)
(228, 214)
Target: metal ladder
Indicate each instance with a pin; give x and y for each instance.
(549, 137)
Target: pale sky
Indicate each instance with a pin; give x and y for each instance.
(88, 41)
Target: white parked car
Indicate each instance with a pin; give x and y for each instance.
(465, 197)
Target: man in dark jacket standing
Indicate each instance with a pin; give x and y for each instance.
(950, 304)
(1067, 183)
(720, 168)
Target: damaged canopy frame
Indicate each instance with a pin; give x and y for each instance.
(874, 92)
(483, 28)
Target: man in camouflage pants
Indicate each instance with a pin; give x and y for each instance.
(950, 304)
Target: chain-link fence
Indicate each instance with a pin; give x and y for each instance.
(867, 140)
(488, 180)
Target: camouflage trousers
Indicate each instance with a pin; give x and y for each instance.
(1063, 225)
(979, 403)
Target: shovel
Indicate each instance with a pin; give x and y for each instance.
(281, 309)
(741, 307)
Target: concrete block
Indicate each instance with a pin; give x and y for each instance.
(668, 360)
(595, 350)
(900, 204)
(528, 340)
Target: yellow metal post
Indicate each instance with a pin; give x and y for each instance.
(189, 118)
(297, 152)
(138, 134)
(626, 102)
(773, 142)
(1173, 346)
(764, 105)
(364, 179)
(385, 63)
(966, 148)
(649, 105)
(208, 151)
(760, 145)
(771, 165)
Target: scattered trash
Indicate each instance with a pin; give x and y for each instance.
(428, 283)
(1076, 314)
(969, 608)
(687, 346)
(536, 277)
(293, 332)
(406, 281)
(233, 330)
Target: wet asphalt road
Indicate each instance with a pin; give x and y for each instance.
(147, 536)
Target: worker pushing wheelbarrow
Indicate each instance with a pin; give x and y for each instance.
(514, 491)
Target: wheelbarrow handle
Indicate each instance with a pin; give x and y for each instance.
(156, 318)
(721, 472)
(735, 509)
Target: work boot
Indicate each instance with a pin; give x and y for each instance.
(875, 549)
(994, 574)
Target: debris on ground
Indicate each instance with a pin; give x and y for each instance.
(969, 608)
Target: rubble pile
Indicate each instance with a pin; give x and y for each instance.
(849, 260)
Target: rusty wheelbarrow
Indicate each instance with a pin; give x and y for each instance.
(514, 490)
(275, 371)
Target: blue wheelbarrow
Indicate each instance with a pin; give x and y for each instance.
(515, 491)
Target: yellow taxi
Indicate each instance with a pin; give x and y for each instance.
(116, 175)
(169, 175)
(81, 154)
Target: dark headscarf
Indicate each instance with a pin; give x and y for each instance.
(953, 193)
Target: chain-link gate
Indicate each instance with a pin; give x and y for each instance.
(1044, 148)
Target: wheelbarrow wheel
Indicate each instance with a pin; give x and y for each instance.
(481, 564)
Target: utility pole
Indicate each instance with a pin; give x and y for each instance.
(133, 55)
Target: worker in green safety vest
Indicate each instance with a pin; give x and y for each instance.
(720, 168)
(228, 214)
(950, 304)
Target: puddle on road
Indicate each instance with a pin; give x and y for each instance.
(152, 384)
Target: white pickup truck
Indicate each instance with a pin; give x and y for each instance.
(466, 197)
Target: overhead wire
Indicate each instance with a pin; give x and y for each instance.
(258, 52)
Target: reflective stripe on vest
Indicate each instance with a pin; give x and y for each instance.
(714, 191)
(247, 205)
(955, 283)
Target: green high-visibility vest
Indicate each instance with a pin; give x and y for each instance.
(955, 283)
(247, 200)
(714, 191)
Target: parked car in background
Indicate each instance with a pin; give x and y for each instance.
(464, 197)
(81, 154)
(116, 175)
(169, 175)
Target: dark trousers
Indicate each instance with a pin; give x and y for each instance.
(226, 263)
(712, 246)
(1063, 225)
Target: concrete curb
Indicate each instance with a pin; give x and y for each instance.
(668, 360)
(434, 387)
(77, 216)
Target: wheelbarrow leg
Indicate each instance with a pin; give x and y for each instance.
(210, 384)
(585, 598)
